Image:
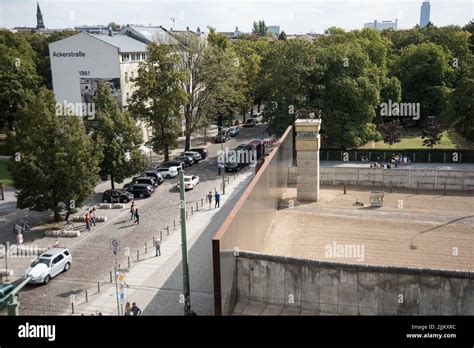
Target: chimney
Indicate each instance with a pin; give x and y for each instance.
(111, 32)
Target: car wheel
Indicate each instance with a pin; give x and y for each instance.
(67, 266)
(168, 176)
(126, 200)
(141, 195)
(46, 279)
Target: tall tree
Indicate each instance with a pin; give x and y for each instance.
(55, 161)
(159, 97)
(431, 132)
(282, 35)
(116, 136)
(260, 28)
(392, 132)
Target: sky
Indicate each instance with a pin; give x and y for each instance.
(295, 17)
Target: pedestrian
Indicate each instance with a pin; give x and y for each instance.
(218, 169)
(94, 216)
(218, 199)
(91, 220)
(135, 310)
(128, 309)
(209, 199)
(137, 217)
(132, 210)
(68, 215)
(157, 246)
(88, 227)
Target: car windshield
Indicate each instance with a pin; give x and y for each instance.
(187, 179)
(41, 260)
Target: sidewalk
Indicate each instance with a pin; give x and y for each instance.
(147, 277)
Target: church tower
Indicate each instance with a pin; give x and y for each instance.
(39, 18)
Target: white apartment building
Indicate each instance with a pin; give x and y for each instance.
(376, 25)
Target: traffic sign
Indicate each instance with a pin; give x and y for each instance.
(115, 245)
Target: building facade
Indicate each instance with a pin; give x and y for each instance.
(383, 25)
(425, 13)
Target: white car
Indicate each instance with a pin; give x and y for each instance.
(168, 172)
(190, 181)
(48, 265)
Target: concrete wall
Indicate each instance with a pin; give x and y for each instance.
(428, 179)
(248, 222)
(327, 288)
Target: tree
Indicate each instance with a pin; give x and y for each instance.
(116, 136)
(431, 132)
(18, 77)
(282, 35)
(114, 26)
(392, 132)
(55, 161)
(159, 96)
(217, 39)
(462, 102)
(469, 27)
(260, 28)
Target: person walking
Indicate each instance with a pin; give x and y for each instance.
(158, 249)
(137, 217)
(128, 309)
(132, 210)
(209, 199)
(88, 227)
(218, 199)
(135, 310)
(94, 216)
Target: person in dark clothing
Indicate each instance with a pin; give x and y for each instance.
(135, 310)
(217, 196)
(137, 217)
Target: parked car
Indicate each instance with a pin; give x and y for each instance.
(190, 181)
(241, 158)
(48, 265)
(116, 196)
(222, 138)
(146, 181)
(258, 116)
(140, 190)
(151, 174)
(188, 160)
(250, 122)
(202, 151)
(5, 290)
(234, 131)
(168, 172)
(195, 155)
(178, 164)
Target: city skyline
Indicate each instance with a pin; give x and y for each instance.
(297, 17)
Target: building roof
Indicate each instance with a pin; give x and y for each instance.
(158, 34)
(123, 42)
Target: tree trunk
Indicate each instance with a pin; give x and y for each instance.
(112, 183)
(167, 152)
(187, 142)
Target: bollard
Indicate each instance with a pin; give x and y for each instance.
(98, 286)
(345, 189)
(167, 230)
(161, 235)
(174, 224)
(197, 206)
(192, 210)
(72, 307)
(138, 254)
(111, 276)
(128, 259)
(146, 249)
(202, 202)
(87, 297)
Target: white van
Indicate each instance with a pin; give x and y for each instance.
(48, 265)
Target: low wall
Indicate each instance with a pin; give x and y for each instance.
(246, 225)
(327, 288)
(425, 179)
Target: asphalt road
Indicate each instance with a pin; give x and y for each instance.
(92, 256)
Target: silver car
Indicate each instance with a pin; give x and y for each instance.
(195, 155)
(48, 265)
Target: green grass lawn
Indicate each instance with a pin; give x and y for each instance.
(4, 174)
(411, 139)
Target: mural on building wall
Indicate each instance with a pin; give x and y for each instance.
(89, 89)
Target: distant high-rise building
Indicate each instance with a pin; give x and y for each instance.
(425, 13)
(39, 17)
(376, 25)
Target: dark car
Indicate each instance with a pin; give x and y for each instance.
(151, 174)
(188, 161)
(240, 159)
(140, 190)
(146, 181)
(201, 151)
(220, 138)
(116, 196)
